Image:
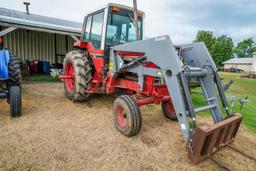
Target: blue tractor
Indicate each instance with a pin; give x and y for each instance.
(10, 79)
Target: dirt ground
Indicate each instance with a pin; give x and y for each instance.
(56, 134)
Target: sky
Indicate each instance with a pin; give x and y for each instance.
(181, 19)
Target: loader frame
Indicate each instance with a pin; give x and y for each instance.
(157, 71)
(159, 58)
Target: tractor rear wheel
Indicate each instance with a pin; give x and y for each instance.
(168, 110)
(127, 115)
(77, 68)
(15, 101)
(14, 71)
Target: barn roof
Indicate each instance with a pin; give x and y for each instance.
(23, 20)
(239, 61)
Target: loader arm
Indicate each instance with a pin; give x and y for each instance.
(197, 64)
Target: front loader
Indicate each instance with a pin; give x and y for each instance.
(109, 59)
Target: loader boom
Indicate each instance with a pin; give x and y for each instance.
(197, 64)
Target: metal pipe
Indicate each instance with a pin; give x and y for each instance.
(209, 102)
(145, 101)
(136, 19)
(133, 63)
(196, 72)
(63, 77)
(150, 100)
(199, 109)
(221, 92)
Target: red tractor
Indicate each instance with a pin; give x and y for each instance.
(109, 59)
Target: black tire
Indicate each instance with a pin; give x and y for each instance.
(15, 101)
(168, 111)
(82, 73)
(132, 115)
(14, 71)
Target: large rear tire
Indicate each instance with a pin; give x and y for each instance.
(127, 115)
(14, 71)
(77, 65)
(168, 110)
(15, 101)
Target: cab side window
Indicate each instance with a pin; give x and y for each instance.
(88, 28)
(96, 30)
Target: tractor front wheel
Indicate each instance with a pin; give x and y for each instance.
(168, 110)
(77, 69)
(15, 101)
(127, 115)
(14, 71)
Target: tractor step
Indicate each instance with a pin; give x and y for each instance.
(209, 139)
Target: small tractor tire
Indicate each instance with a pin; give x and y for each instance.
(15, 101)
(127, 115)
(168, 110)
(77, 65)
(14, 71)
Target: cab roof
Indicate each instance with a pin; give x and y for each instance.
(115, 5)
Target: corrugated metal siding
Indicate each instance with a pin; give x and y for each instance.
(60, 41)
(61, 44)
(31, 45)
(71, 42)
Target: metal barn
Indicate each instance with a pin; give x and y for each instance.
(36, 37)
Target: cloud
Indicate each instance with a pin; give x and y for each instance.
(224, 14)
(235, 18)
(181, 19)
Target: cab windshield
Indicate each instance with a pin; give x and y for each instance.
(121, 29)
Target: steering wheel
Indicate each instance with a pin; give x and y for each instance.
(122, 38)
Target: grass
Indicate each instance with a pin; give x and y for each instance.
(45, 78)
(241, 88)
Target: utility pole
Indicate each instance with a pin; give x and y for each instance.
(136, 19)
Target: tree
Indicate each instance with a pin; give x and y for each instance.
(206, 37)
(245, 48)
(220, 48)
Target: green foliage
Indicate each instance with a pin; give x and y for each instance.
(206, 37)
(245, 48)
(220, 48)
(45, 79)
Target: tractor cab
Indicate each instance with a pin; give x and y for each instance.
(111, 26)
